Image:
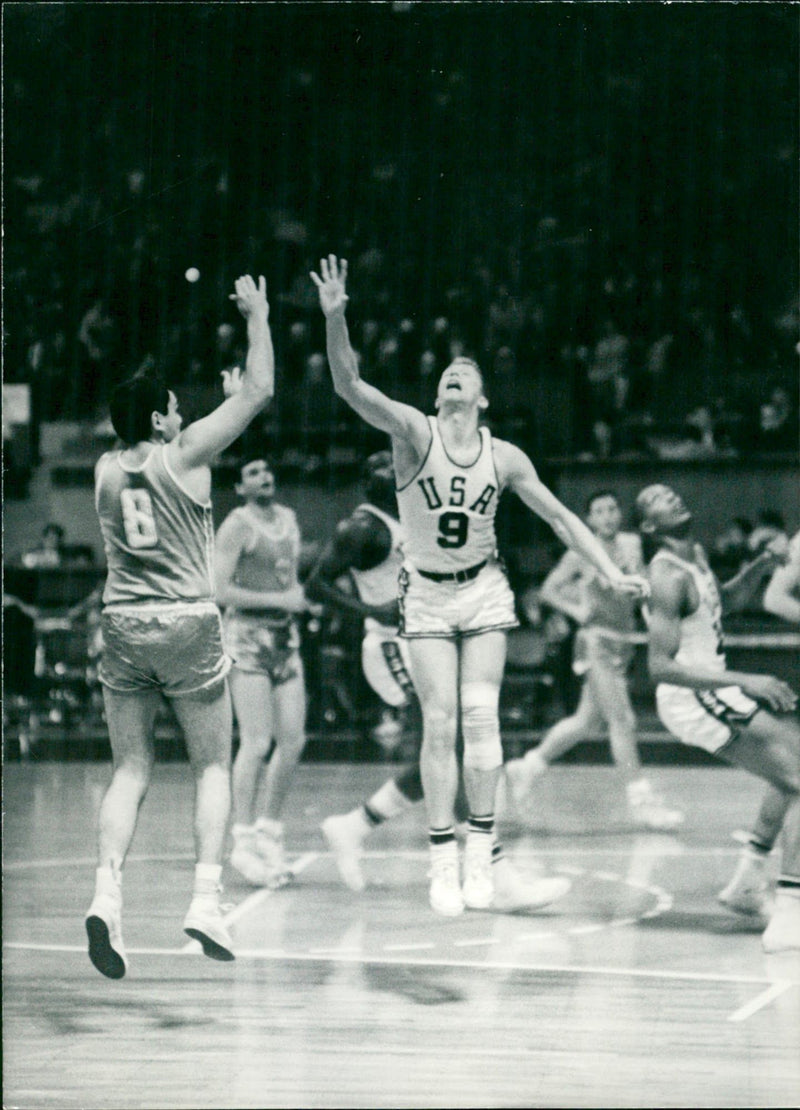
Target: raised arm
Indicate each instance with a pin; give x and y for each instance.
(246, 394)
(399, 420)
(519, 474)
(667, 604)
(740, 590)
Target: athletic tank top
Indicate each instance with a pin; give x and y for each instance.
(158, 540)
(610, 608)
(447, 510)
(268, 560)
(701, 633)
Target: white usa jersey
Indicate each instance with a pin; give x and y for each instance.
(447, 510)
(701, 632)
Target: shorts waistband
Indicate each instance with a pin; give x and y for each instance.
(454, 576)
(262, 614)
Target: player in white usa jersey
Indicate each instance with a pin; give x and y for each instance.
(456, 603)
(161, 627)
(746, 719)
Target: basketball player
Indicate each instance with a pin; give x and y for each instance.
(257, 555)
(367, 546)
(161, 627)
(745, 719)
(603, 652)
(455, 601)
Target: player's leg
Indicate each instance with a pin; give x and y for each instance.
(251, 692)
(608, 682)
(434, 670)
(130, 718)
(289, 715)
(769, 746)
(587, 720)
(482, 662)
(384, 660)
(206, 719)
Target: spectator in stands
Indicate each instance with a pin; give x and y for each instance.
(730, 549)
(782, 595)
(50, 550)
(770, 531)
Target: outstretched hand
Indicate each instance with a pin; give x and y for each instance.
(250, 298)
(634, 585)
(331, 286)
(231, 380)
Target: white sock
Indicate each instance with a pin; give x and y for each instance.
(638, 789)
(108, 880)
(534, 762)
(207, 874)
(388, 801)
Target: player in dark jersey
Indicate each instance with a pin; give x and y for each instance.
(456, 603)
(160, 624)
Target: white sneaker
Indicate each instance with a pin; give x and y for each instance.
(513, 893)
(445, 890)
(520, 776)
(783, 931)
(244, 857)
(344, 838)
(478, 892)
(204, 922)
(104, 930)
(749, 891)
(269, 846)
(648, 810)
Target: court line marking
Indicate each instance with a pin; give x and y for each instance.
(761, 1000)
(350, 957)
(380, 854)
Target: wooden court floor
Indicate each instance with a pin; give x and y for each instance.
(637, 990)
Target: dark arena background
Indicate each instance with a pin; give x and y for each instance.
(599, 203)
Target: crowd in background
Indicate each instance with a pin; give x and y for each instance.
(622, 299)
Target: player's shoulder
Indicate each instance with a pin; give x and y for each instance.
(668, 579)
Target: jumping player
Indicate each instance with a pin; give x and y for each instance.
(367, 546)
(746, 719)
(161, 627)
(455, 601)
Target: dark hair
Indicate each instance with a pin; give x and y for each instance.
(252, 455)
(55, 529)
(590, 500)
(132, 404)
(377, 486)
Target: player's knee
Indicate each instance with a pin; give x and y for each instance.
(480, 726)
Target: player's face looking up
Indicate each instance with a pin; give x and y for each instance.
(663, 511)
(461, 383)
